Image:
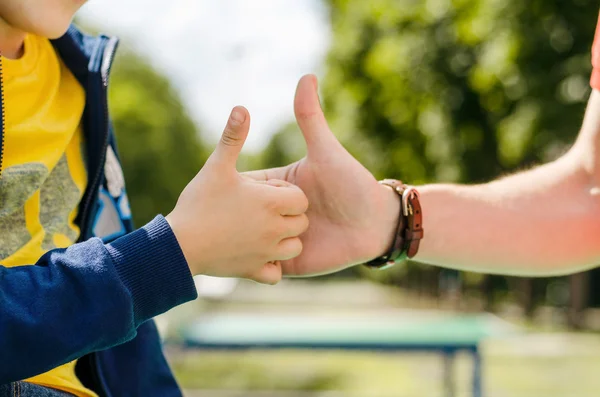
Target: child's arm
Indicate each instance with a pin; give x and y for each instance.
(92, 296)
(88, 297)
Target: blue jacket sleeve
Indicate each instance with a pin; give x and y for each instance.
(88, 297)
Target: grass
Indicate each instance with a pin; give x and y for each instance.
(544, 361)
(507, 372)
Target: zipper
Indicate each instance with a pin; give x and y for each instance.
(105, 68)
(2, 116)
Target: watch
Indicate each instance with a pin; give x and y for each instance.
(410, 227)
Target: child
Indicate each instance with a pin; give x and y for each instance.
(75, 311)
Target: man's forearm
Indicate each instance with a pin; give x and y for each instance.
(545, 221)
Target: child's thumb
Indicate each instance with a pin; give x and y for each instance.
(233, 138)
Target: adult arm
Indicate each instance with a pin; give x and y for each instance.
(541, 222)
(545, 221)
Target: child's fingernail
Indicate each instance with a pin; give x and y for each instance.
(237, 116)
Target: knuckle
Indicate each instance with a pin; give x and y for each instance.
(298, 247)
(283, 229)
(297, 202)
(307, 115)
(298, 225)
(230, 138)
(303, 202)
(293, 248)
(305, 223)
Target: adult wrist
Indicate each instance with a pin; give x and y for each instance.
(409, 226)
(392, 205)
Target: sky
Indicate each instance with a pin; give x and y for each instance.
(223, 53)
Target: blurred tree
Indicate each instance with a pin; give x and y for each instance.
(458, 91)
(285, 147)
(158, 142)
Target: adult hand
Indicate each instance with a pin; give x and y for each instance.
(352, 217)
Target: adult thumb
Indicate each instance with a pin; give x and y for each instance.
(310, 117)
(233, 138)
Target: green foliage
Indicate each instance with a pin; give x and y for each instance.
(158, 142)
(285, 147)
(457, 90)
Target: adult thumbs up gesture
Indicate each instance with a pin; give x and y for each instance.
(229, 225)
(352, 217)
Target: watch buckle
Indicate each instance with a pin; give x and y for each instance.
(408, 193)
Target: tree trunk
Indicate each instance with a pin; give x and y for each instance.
(579, 297)
(526, 296)
(487, 291)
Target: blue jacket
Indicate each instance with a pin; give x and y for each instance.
(95, 300)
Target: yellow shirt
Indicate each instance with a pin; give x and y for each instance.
(43, 171)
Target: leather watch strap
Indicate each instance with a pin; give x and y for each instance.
(414, 215)
(410, 226)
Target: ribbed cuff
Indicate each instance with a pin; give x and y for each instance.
(595, 81)
(151, 265)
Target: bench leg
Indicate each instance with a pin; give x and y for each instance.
(449, 389)
(477, 390)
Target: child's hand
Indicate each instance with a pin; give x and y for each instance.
(232, 226)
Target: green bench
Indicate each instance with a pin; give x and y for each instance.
(446, 334)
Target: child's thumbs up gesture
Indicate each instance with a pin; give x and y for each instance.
(232, 226)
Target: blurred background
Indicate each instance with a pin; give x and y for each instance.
(421, 90)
